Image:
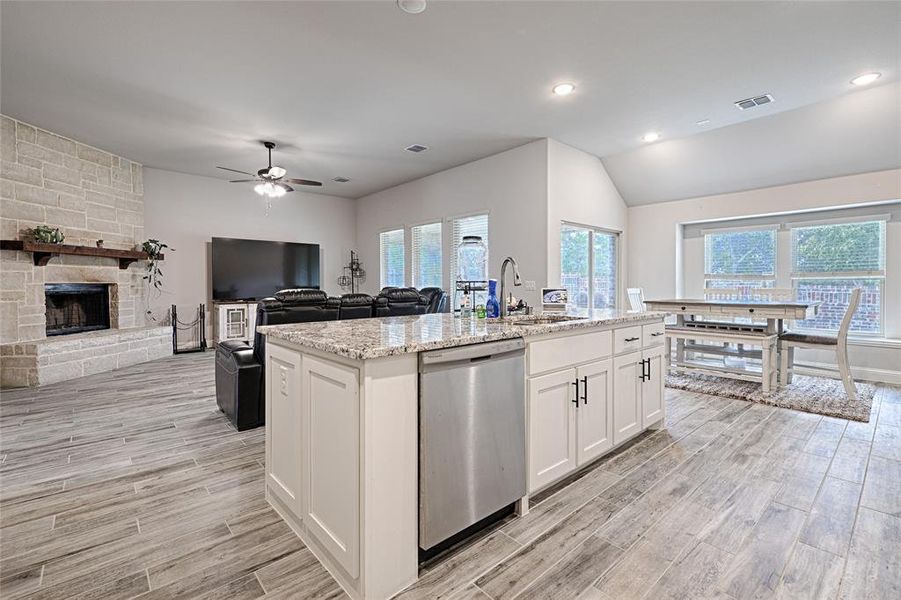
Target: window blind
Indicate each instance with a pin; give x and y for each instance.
(736, 255)
(425, 248)
(391, 258)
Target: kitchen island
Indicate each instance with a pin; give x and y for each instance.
(342, 421)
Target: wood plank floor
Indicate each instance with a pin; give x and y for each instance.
(132, 484)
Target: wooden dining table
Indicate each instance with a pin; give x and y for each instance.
(715, 321)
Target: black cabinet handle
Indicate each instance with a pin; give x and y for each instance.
(750, 310)
(642, 376)
(649, 368)
(656, 334)
(584, 390)
(576, 397)
(631, 339)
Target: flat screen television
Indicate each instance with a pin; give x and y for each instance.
(255, 269)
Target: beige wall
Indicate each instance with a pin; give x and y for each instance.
(656, 249)
(86, 192)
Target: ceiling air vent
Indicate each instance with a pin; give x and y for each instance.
(340, 179)
(752, 102)
(416, 148)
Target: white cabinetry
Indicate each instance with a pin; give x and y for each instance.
(235, 321)
(589, 392)
(595, 410)
(552, 427)
(283, 420)
(330, 447)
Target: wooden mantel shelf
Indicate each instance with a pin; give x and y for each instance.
(43, 252)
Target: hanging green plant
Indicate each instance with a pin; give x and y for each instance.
(154, 250)
(45, 234)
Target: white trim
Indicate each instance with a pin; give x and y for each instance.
(859, 373)
(838, 221)
(741, 228)
(841, 275)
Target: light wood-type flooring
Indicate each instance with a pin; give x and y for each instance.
(132, 484)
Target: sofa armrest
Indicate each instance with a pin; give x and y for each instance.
(237, 351)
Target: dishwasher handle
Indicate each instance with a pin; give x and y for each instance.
(472, 352)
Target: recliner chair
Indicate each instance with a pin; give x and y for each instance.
(437, 299)
(356, 306)
(393, 302)
(240, 381)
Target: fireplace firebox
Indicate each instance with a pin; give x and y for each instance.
(76, 307)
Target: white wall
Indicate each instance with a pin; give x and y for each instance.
(581, 192)
(655, 244)
(186, 211)
(511, 186)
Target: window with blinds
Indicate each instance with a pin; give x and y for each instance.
(460, 227)
(391, 258)
(425, 250)
(739, 259)
(829, 261)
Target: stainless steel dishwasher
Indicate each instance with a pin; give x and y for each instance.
(472, 439)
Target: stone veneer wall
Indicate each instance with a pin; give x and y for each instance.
(89, 194)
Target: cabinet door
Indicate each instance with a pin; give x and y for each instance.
(594, 416)
(283, 422)
(552, 427)
(652, 397)
(626, 396)
(331, 412)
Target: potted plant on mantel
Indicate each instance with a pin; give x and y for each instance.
(153, 274)
(45, 234)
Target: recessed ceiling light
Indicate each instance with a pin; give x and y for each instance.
(866, 78)
(651, 136)
(703, 123)
(564, 89)
(413, 7)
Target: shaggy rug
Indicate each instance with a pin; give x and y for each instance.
(816, 395)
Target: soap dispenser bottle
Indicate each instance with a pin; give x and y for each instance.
(492, 306)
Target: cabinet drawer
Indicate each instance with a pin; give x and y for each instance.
(627, 339)
(653, 335)
(562, 352)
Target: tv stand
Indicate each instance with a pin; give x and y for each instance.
(235, 320)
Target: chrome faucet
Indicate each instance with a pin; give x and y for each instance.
(516, 282)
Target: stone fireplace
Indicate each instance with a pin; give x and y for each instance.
(74, 315)
(76, 307)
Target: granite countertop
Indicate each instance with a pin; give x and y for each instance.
(374, 338)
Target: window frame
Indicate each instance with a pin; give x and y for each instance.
(617, 259)
(764, 278)
(797, 277)
(382, 271)
(412, 253)
(450, 278)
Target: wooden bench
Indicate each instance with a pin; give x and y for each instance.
(725, 334)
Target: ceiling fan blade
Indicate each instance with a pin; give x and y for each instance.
(235, 170)
(242, 180)
(303, 181)
(288, 188)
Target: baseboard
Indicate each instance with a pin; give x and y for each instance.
(859, 373)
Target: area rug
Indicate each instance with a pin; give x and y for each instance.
(816, 395)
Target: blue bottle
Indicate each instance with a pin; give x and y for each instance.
(492, 306)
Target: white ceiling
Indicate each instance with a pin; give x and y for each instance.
(347, 85)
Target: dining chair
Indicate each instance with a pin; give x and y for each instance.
(636, 299)
(789, 341)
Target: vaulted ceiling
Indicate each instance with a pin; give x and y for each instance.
(346, 86)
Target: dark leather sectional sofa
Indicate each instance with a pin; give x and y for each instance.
(240, 380)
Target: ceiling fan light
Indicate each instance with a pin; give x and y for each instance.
(277, 172)
(260, 188)
(278, 191)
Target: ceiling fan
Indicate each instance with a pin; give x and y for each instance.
(271, 181)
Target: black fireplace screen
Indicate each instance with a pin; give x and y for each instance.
(76, 307)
